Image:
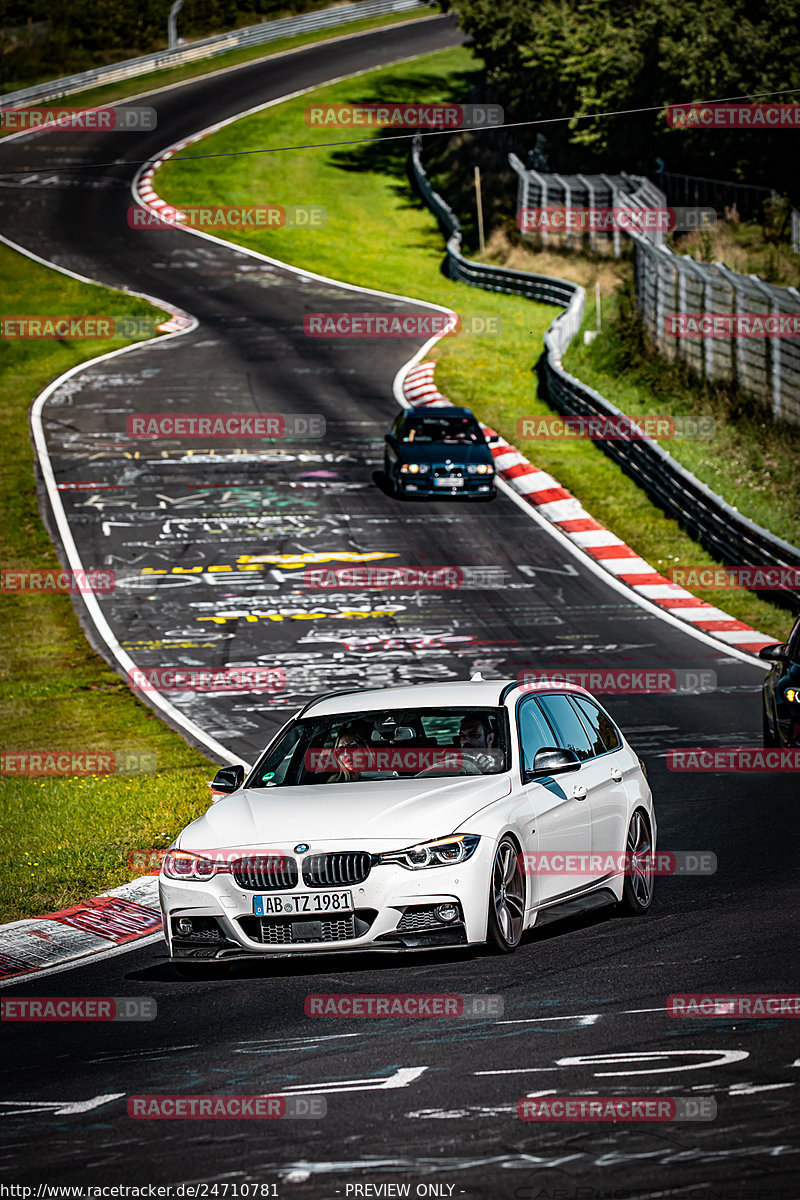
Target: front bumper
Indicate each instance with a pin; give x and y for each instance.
(393, 910)
(424, 485)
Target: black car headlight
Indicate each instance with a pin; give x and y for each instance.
(480, 468)
(414, 468)
(444, 852)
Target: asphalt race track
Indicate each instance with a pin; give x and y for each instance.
(584, 999)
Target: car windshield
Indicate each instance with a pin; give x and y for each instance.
(452, 430)
(360, 747)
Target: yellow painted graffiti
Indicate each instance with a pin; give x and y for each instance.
(261, 562)
(347, 614)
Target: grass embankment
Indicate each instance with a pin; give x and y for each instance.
(63, 839)
(378, 234)
(111, 92)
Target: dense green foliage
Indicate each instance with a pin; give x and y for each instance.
(49, 38)
(570, 58)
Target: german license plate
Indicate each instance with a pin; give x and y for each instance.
(452, 481)
(306, 902)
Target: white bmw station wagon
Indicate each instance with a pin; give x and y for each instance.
(414, 817)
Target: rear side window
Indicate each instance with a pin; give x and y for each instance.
(601, 729)
(567, 724)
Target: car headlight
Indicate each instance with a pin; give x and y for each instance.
(480, 468)
(792, 694)
(184, 864)
(444, 852)
(414, 468)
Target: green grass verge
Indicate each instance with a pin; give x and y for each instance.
(64, 839)
(111, 92)
(380, 235)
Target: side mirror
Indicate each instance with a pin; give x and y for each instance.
(552, 760)
(390, 438)
(227, 780)
(492, 437)
(774, 653)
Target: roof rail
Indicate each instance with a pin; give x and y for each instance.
(340, 692)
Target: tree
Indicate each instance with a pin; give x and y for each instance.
(569, 59)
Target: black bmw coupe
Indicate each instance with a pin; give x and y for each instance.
(439, 451)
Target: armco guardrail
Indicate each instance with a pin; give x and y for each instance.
(705, 515)
(252, 35)
(544, 288)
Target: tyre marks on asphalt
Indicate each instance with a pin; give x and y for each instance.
(210, 548)
(445, 1099)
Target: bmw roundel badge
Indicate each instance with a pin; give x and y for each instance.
(301, 848)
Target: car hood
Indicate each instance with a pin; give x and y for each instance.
(391, 813)
(438, 452)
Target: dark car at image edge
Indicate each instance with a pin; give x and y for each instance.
(781, 691)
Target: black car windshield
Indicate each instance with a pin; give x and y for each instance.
(385, 744)
(451, 430)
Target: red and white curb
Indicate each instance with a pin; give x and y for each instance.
(560, 507)
(150, 197)
(121, 915)
(153, 202)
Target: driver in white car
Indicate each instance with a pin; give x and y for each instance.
(477, 738)
(475, 733)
